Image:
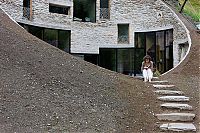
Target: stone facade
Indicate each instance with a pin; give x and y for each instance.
(87, 37)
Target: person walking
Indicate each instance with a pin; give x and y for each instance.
(147, 68)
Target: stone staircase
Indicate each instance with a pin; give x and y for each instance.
(174, 118)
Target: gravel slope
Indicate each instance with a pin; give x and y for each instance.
(43, 89)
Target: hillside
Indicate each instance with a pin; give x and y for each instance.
(44, 89)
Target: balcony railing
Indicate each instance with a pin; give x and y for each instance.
(26, 13)
(104, 13)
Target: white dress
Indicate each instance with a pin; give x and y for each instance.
(147, 72)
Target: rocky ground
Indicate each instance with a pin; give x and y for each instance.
(43, 89)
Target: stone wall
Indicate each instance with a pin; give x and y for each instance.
(87, 37)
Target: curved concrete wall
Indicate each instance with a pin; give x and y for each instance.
(86, 37)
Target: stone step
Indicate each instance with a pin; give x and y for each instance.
(174, 98)
(179, 127)
(169, 92)
(176, 106)
(176, 116)
(159, 82)
(163, 86)
(141, 77)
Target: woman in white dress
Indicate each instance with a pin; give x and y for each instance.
(147, 68)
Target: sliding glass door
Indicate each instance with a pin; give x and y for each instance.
(159, 45)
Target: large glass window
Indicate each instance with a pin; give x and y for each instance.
(125, 62)
(108, 58)
(138, 58)
(123, 33)
(92, 58)
(150, 45)
(57, 38)
(159, 45)
(140, 40)
(36, 31)
(51, 37)
(160, 51)
(169, 49)
(64, 40)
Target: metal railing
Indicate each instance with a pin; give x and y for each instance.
(104, 13)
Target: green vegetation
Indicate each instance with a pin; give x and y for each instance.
(192, 8)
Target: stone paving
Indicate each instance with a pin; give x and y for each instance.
(169, 92)
(174, 98)
(173, 103)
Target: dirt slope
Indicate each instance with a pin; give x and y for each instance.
(43, 89)
(187, 75)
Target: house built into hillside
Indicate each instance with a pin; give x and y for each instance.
(114, 34)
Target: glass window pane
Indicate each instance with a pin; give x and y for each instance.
(160, 43)
(108, 59)
(169, 37)
(139, 40)
(125, 62)
(169, 57)
(150, 45)
(123, 33)
(84, 10)
(139, 54)
(64, 40)
(51, 37)
(36, 31)
(92, 58)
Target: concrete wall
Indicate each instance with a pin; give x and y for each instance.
(87, 37)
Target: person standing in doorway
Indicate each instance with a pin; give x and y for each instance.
(147, 68)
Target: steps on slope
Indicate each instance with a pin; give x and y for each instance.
(159, 86)
(159, 81)
(169, 92)
(176, 106)
(178, 127)
(174, 98)
(176, 116)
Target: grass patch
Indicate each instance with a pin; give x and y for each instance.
(192, 8)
